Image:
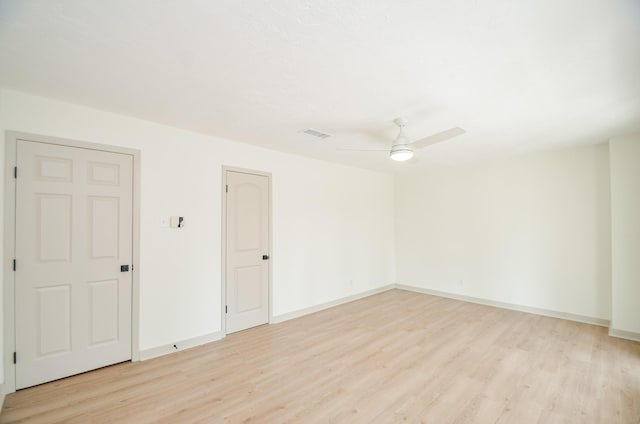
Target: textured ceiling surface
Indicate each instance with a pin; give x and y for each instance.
(517, 75)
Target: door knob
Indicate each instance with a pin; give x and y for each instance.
(265, 257)
(124, 268)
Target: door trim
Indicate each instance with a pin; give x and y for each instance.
(223, 298)
(9, 243)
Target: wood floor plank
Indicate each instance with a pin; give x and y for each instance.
(394, 357)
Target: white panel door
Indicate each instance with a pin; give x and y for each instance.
(247, 268)
(74, 224)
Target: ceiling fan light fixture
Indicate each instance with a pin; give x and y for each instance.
(401, 153)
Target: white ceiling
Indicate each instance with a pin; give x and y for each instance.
(517, 75)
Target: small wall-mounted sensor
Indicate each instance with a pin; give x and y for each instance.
(177, 222)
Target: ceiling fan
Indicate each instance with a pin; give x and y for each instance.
(402, 149)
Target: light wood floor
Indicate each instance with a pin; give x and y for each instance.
(394, 357)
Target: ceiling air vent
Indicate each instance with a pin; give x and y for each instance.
(316, 133)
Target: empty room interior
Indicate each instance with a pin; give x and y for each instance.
(320, 211)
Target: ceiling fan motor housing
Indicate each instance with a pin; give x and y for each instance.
(401, 149)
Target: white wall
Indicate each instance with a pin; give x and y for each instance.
(624, 153)
(532, 231)
(332, 224)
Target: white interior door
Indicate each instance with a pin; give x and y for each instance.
(74, 224)
(247, 251)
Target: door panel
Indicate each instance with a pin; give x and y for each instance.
(104, 226)
(249, 288)
(103, 312)
(53, 223)
(53, 332)
(247, 208)
(74, 226)
(247, 274)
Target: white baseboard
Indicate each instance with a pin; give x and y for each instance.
(515, 307)
(154, 352)
(317, 308)
(622, 334)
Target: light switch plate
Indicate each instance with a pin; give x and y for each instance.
(164, 222)
(174, 221)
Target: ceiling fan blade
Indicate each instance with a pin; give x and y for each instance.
(355, 149)
(438, 137)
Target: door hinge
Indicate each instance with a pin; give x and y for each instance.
(226, 188)
(15, 172)
(15, 358)
(226, 309)
(14, 264)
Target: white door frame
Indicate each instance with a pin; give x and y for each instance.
(223, 299)
(9, 242)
